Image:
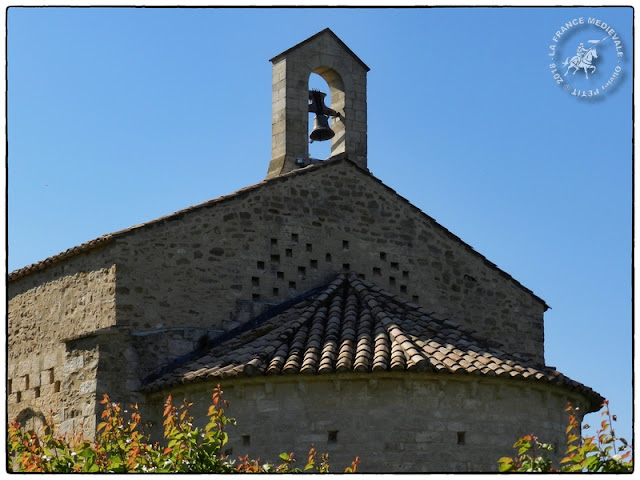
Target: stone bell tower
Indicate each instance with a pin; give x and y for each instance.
(326, 55)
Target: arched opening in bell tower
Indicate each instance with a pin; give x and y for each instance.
(329, 81)
(317, 149)
(300, 79)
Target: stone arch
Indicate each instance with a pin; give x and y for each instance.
(326, 55)
(32, 420)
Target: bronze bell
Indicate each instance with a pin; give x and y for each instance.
(321, 130)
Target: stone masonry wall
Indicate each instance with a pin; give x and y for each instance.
(128, 357)
(223, 263)
(395, 423)
(155, 291)
(45, 309)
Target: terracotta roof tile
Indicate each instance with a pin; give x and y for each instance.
(354, 326)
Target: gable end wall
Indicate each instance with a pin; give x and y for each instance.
(217, 266)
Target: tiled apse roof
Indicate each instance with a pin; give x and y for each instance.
(355, 326)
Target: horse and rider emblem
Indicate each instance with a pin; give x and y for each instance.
(584, 58)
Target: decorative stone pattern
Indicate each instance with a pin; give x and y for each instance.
(218, 264)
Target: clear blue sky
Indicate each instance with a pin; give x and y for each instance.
(119, 116)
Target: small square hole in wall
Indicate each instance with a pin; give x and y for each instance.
(394, 266)
(345, 244)
(260, 265)
(309, 247)
(288, 252)
(280, 275)
(246, 440)
(292, 285)
(56, 386)
(9, 387)
(333, 436)
(377, 271)
(276, 291)
(275, 258)
(460, 438)
(228, 452)
(403, 289)
(255, 281)
(405, 274)
(313, 263)
(255, 297)
(383, 256)
(327, 257)
(274, 242)
(415, 299)
(302, 270)
(51, 376)
(37, 392)
(18, 397)
(392, 281)
(26, 382)
(361, 276)
(346, 267)
(294, 237)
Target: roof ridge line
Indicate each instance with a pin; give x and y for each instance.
(330, 32)
(240, 329)
(257, 363)
(420, 309)
(42, 264)
(491, 346)
(107, 237)
(415, 360)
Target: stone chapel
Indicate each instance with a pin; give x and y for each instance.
(330, 309)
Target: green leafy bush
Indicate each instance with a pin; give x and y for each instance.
(122, 446)
(599, 453)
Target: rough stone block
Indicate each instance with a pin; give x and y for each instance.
(50, 360)
(73, 364)
(67, 426)
(87, 387)
(88, 410)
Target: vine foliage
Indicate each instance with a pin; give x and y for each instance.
(603, 452)
(122, 446)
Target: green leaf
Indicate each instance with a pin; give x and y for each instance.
(87, 453)
(524, 448)
(93, 468)
(591, 463)
(506, 464)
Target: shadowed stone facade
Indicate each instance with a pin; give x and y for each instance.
(109, 315)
